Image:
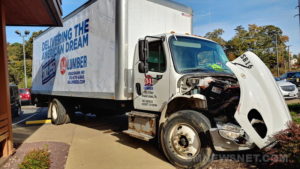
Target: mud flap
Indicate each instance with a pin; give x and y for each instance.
(261, 100)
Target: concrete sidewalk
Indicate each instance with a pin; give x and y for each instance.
(293, 101)
(97, 144)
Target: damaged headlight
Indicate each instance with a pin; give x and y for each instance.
(230, 131)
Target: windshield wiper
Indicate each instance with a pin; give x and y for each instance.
(193, 70)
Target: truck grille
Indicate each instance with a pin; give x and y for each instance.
(288, 88)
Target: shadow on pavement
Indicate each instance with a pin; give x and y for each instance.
(114, 125)
(21, 131)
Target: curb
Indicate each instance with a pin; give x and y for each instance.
(38, 122)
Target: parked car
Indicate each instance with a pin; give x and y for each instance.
(288, 89)
(25, 96)
(293, 77)
(15, 101)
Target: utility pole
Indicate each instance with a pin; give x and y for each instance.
(24, 54)
(24, 59)
(298, 13)
(289, 57)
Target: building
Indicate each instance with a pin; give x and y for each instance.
(19, 13)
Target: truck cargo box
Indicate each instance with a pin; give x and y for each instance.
(92, 54)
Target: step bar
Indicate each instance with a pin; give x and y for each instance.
(141, 125)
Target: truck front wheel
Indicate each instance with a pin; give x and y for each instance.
(57, 112)
(184, 140)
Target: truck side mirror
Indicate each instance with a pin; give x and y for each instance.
(143, 67)
(143, 50)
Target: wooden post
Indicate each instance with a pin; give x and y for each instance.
(5, 110)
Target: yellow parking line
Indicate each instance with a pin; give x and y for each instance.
(38, 122)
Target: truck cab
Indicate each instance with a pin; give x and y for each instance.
(189, 96)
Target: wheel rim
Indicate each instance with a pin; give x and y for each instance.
(54, 111)
(185, 141)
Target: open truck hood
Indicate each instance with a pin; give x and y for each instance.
(259, 95)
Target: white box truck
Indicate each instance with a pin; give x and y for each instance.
(140, 57)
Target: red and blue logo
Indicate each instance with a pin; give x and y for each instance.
(148, 83)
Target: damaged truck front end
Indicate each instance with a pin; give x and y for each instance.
(210, 103)
(229, 106)
(245, 107)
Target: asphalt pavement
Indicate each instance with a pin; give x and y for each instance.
(29, 113)
(95, 142)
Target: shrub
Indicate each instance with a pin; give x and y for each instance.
(294, 107)
(36, 159)
(288, 145)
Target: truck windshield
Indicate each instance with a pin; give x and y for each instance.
(197, 55)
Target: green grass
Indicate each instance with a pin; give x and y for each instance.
(294, 107)
(36, 159)
(295, 112)
(296, 117)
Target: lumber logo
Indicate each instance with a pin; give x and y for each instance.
(63, 65)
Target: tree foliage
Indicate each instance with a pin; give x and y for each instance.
(216, 36)
(261, 40)
(16, 61)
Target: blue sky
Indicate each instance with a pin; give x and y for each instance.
(226, 14)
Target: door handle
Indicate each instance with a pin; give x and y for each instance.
(138, 88)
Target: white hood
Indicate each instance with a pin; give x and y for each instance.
(259, 92)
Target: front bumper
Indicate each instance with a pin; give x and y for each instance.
(290, 94)
(222, 144)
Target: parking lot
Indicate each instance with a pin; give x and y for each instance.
(94, 142)
(97, 142)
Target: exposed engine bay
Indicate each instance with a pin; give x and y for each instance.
(222, 94)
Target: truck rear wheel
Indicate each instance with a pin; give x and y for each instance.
(184, 140)
(58, 112)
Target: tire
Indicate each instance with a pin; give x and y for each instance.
(58, 112)
(184, 140)
(70, 115)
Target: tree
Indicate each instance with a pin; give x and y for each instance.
(216, 36)
(16, 50)
(16, 62)
(237, 44)
(29, 44)
(261, 40)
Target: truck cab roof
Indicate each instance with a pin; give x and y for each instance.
(185, 35)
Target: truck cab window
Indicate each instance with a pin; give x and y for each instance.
(197, 55)
(156, 60)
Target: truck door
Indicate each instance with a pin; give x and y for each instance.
(151, 89)
(262, 111)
